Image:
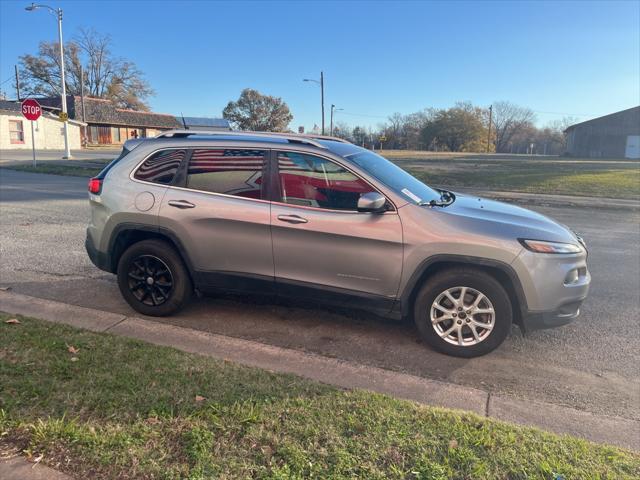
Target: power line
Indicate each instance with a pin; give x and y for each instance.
(10, 78)
(565, 113)
(363, 115)
(535, 111)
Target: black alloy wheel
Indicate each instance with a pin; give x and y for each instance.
(150, 280)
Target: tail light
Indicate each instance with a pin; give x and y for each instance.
(95, 185)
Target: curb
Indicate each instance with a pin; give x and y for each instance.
(18, 468)
(617, 431)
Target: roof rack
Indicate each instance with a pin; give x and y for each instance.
(290, 137)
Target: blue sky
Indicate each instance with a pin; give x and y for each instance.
(558, 58)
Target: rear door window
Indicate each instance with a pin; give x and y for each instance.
(161, 167)
(230, 171)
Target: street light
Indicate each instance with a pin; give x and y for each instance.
(333, 109)
(321, 83)
(58, 14)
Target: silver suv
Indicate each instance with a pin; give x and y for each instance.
(322, 219)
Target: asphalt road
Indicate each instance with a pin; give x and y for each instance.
(591, 364)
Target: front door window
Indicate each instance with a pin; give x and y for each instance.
(312, 181)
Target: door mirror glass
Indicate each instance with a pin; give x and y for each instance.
(372, 202)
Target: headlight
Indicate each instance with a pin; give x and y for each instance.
(540, 246)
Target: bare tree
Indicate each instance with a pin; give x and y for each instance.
(105, 76)
(254, 111)
(510, 120)
(342, 130)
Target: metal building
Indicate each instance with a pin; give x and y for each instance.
(616, 135)
(204, 123)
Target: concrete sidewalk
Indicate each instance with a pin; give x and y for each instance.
(556, 418)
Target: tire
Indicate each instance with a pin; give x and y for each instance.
(451, 319)
(158, 260)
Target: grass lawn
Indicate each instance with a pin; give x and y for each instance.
(565, 176)
(101, 406)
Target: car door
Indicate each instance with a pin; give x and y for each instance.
(217, 211)
(321, 243)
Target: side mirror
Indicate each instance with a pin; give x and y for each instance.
(372, 202)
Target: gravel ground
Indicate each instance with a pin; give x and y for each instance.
(590, 364)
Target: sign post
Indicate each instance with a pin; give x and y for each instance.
(31, 110)
(33, 144)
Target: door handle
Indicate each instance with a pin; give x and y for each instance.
(181, 204)
(292, 219)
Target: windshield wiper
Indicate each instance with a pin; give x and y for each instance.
(446, 199)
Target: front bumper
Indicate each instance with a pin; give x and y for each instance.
(554, 287)
(551, 319)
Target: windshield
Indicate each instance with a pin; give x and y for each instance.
(394, 177)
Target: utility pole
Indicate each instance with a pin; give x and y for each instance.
(333, 109)
(17, 83)
(331, 123)
(321, 83)
(67, 149)
(82, 92)
(489, 134)
(64, 116)
(322, 97)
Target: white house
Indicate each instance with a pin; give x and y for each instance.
(15, 130)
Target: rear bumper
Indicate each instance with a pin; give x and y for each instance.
(556, 318)
(98, 258)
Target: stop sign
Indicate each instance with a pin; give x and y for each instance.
(31, 109)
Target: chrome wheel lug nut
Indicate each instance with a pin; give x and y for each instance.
(459, 309)
(459, 322)
(454, 315)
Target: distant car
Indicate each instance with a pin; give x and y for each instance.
(321, 219)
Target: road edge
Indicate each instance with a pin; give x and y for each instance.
(559, 419)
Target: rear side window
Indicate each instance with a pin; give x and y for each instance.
(316, 182)
(161, 167)
(229, 171)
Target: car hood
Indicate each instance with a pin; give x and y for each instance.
(505, 220)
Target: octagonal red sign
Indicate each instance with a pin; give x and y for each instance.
(31, 109)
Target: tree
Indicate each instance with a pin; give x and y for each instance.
(510, 121)
(257, 112)
(359, 135)
(460, 128)
(105, 76)
(413, 125)
(342, 130)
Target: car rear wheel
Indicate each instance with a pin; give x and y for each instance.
(463, 312)
(153, 278)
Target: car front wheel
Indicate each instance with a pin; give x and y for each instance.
(153, 278)
(463, 312)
